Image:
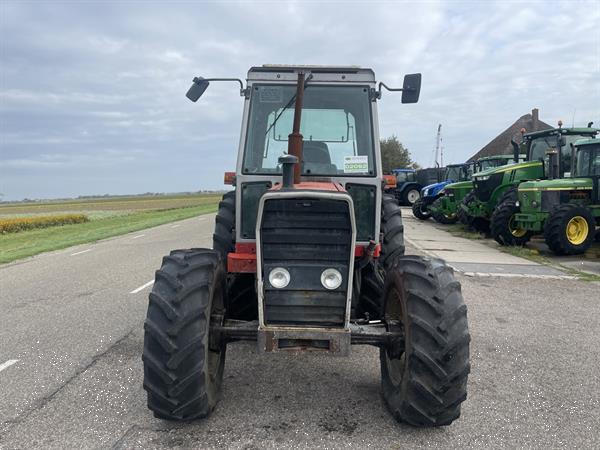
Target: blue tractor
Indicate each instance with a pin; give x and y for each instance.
(429, 194)
(408, 189)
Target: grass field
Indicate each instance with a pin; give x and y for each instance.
(109, 216)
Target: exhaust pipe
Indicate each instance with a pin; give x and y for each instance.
(516, 151)
(288, 165)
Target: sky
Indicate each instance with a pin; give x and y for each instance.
(92, 94)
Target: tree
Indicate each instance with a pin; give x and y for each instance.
(395, 156)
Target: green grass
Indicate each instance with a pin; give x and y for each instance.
(28, 243)
(459, 230)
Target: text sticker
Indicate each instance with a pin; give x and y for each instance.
(356, 164)
(270, 94)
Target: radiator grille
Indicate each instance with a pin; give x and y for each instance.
(305, 236)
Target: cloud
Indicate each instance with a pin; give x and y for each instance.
(80, 79)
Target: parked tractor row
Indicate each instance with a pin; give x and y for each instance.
(551, 190)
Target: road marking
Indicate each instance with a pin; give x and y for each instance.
(82, 251)
(7, 364)
(143, 286)
(516, 275)
(175, 226)
(138, 236)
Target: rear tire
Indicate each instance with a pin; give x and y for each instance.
(411, 196)
(569, 229)
(420, 211)
(501, 226)
(424, 376)
(183, 362)
(392, 230)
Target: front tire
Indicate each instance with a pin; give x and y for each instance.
(411, 196)
(420, 210)
(392, 231)
(502, 229)
(569, 229)
(424, 376)
(183, 360)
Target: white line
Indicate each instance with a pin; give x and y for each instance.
(175, 226)
(138, 236)
(143, 286)
(516, 275)
(82, 251)
(7, 364)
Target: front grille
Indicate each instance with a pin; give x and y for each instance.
(305, 236)
(483, 189)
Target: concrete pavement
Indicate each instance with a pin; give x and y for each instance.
(73, 321)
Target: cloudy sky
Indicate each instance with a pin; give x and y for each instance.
(92, 93)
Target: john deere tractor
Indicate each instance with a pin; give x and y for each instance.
(308, 255)
(446, 209)
(430, 193)
(567, 210)
(494, 186)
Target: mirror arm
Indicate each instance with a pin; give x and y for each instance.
(243, 91)
(382, 84)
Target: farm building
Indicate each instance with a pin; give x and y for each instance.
(500, 145)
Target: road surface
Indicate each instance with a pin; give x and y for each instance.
(71, 372)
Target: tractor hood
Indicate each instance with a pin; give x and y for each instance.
(506, 168)
(433, 189)
(566, 184)
(460, 185)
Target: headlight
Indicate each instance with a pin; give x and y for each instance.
(331, 279)
(279, 277)
(484, 178)
(450, 193)
(425, 192)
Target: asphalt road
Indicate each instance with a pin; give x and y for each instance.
(71, 372)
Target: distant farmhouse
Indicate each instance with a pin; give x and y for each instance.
(501, 145)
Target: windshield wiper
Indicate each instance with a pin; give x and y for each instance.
(287, 106)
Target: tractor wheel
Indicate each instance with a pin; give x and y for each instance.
(446, 219)
(420, 211)
(411, 196)
(183, 361)
(424, 375)
(392, 230)
(510, 195)
(502, 229)
(465, 218)
(224, 235)
(569, 229)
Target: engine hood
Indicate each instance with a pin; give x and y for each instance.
(553, 185)
(506, 168)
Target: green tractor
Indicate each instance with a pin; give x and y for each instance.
(494, 186)
(566, 211)
(308, 256)
(446, 209)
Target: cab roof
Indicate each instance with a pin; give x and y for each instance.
(551, 131)
(507, 156)
(282, 72)
(586, 142)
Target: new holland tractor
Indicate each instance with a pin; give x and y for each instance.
(429, 194)
(566, 211)
(408, 189)
(446, 209)
(308, 255)
(494, 186)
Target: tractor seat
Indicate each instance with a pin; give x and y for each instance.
(316, 158)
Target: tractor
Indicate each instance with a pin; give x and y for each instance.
(446, 209)
(429, 194)
(408, 189)
(308, 256)
(494, 186)
(566, 211)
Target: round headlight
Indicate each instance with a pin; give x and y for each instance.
(331, 279)
(279, 277)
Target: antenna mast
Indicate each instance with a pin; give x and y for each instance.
(438, 143)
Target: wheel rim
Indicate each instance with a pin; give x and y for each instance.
(450, 216)
(413, 196)
(516, 232)
(394, 322)
(577, 230)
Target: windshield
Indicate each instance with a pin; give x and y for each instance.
(489, 163)
(538, 148)
(401, 177)
(335, 125)
(456, 173)
(588, 161)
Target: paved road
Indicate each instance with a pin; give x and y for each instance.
(74, 326)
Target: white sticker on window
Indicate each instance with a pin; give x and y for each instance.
(356, 164)
(271, 94)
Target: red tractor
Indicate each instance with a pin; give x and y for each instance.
(308, 255)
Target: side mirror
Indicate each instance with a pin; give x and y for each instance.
(197, 89)
(411, 88)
